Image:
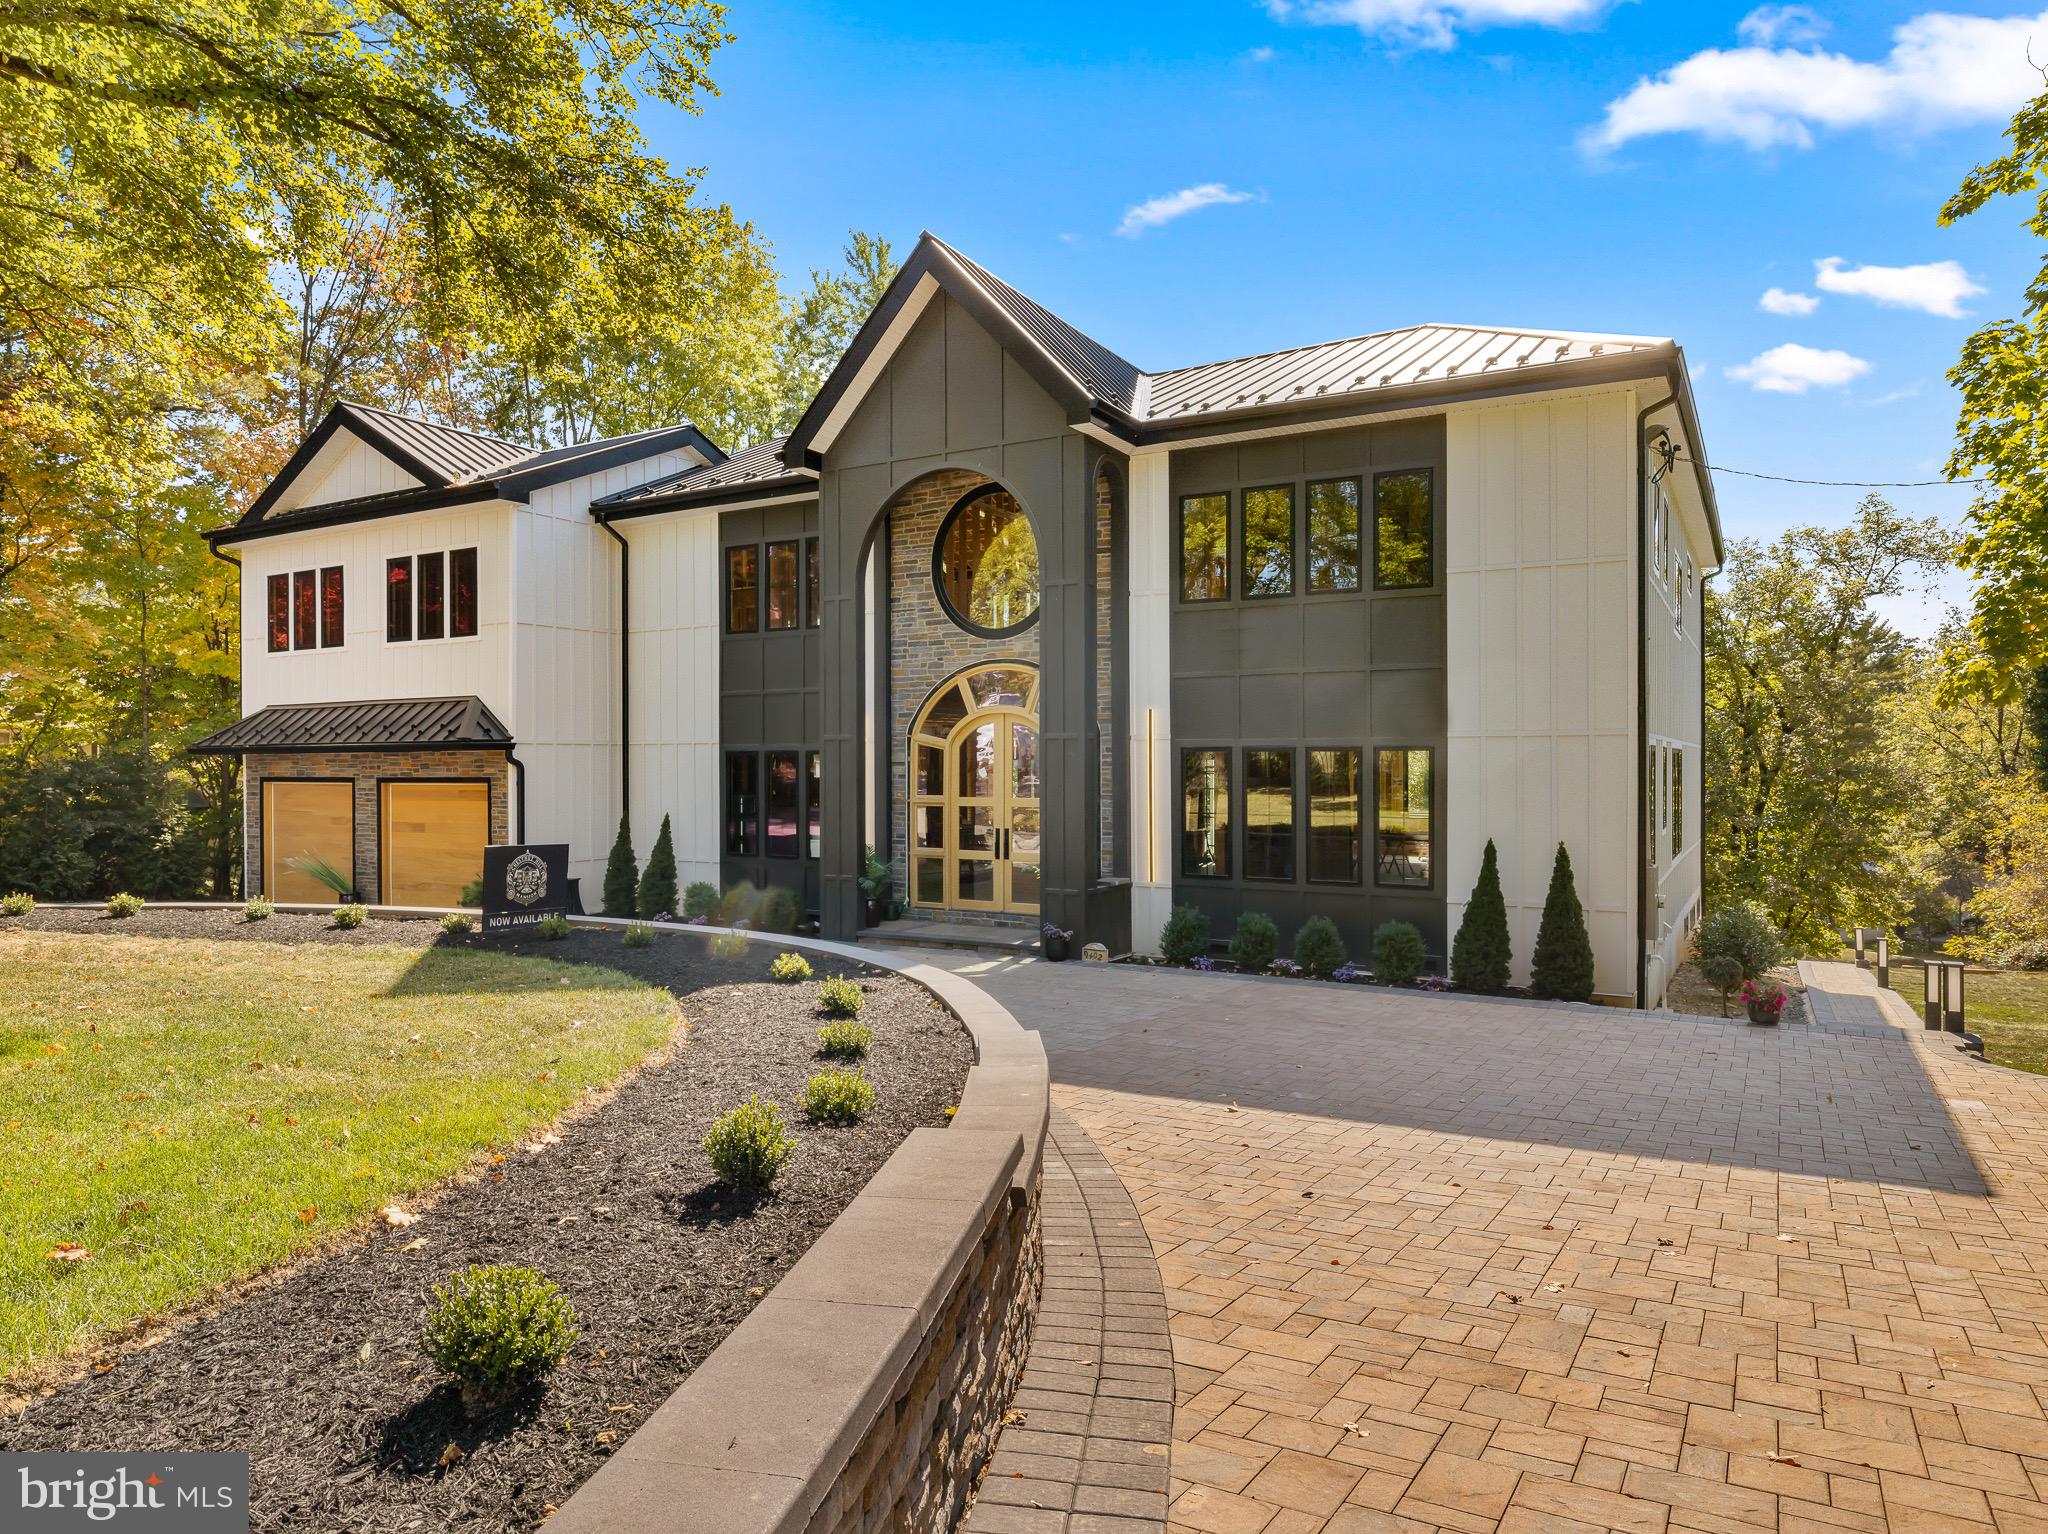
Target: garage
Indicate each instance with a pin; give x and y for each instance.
(306, 821)
(432, 836)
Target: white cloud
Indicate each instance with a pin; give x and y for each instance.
(1934, 287)
(1942, 70)
(1793, 369)
(1154, 211)
(1778, 301)
(1436, 23)
(1259, 55)
(1769, 25)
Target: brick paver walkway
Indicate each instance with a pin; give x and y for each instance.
(1444, 1263)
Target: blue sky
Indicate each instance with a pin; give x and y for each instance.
(1651, 167)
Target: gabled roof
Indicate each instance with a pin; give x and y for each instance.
(1108, 377)
(385, 724)
(755, 473)
(452, 466)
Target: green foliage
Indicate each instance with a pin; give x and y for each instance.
(1254, 943)
(738, 906)
(657, 896)
(17, 903)
(348, 917)
(729, 945)
(122, 903)
(1481, 954)
(838, 1097)
(1735, 943)
(455, 923)
(621, 873)
(779, 911)
(639, 935)
(325, 874)
(874, 875)
(790, 967)
(748, 1145)
(257, 908)
(1185, 935)
(1562, 966)
(1812, 785)
(554, 927)
(497, 1330)
(73, 828)
(845, 1041)
(1318, 949)
(471, 894)
(700, 899)
(1397, 953)
(2035, 707)
(840, 996)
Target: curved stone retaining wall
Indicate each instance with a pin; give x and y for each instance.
(866, 1390)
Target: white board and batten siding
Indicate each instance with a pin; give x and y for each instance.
(1540, 505)
(345, 469)
(676, 621)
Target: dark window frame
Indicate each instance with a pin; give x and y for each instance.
(1308, 866)
(398, 606)
(1244, 809)
(981, 631)
(813, 768)
(765, 587)
(333, 634)
(452, 594)
(305, 609)
(1180, 548)
(1244, 573)
(732, 552)
(263, 847)
(1227, 875)
(813, 596)
(277, 605)
(1358, 537)
(796, 804)
(1428, 471)
(1434, 797)
(751, 831)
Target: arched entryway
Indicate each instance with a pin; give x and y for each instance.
(976, 814)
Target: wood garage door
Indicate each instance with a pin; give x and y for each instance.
(301, 820)
(434, 835)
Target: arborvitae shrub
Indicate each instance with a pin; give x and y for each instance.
(1254, 943)
(1562, 968)
(779, 911)
(1481, 956)
(700, 899)
(657, 895)
(1397, 953)
(1185, 935)
(1318, 949)
(621, 874)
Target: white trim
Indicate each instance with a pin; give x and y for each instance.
(696, 508)
(1149, 688)
(871, 367)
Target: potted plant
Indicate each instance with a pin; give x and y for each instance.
(1762, 1002)
(1053, 942)
(874, 887)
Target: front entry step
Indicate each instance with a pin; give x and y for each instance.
(910, 932)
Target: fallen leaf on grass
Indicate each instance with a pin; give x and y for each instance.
(67, 1251)
(309, 1214)
(396, 1218)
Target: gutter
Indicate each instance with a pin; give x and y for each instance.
(625, 675)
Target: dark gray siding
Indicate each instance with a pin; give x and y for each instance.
(1348, 669)
(770, 695)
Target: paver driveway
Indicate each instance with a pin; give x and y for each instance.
(1443, 1263)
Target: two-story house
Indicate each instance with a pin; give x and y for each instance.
(1062, 639)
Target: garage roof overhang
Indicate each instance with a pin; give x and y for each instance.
(383, 724)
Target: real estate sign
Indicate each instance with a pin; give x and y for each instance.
(524, 884)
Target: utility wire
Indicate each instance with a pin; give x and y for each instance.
(1837, 484)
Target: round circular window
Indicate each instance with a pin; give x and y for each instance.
(986, 564)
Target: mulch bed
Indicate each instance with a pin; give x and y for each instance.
(1690, 992)
(319, 1376)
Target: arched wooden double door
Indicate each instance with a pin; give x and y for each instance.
(976, 824)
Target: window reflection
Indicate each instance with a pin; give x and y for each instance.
(1403, 855)
(1269, 814)
(1269, 541)
(1205, 814)
(1204, 548)
(1334, 802)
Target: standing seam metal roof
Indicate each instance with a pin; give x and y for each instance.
(380, 725)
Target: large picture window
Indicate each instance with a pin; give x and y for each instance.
(1205, 548)
(1269, 814)
(783, 827)
(278, 612)
(986, 564)
(1404, 537)
(1269, 541)
(742, 805)
(742, 589)
(782, 585)
(1335, 824)
(1404, 854)
(1333, 535)
(1205, 814)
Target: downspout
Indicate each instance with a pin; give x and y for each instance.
(1643, 828)
(229, 559)
(518, 795)
(625, 670)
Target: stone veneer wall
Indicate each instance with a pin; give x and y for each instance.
(366, 768)
(925, 645)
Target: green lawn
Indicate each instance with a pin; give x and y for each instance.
(2008, 1007)
(190, 1112)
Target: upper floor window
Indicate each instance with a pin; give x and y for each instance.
(1333, 535)
(782, 584)
(1205, 548)
(1404, 529)
(742, 589)
(986, 564)
(814, 613)
(430, 596)
(1269, 541)
(303, 610)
